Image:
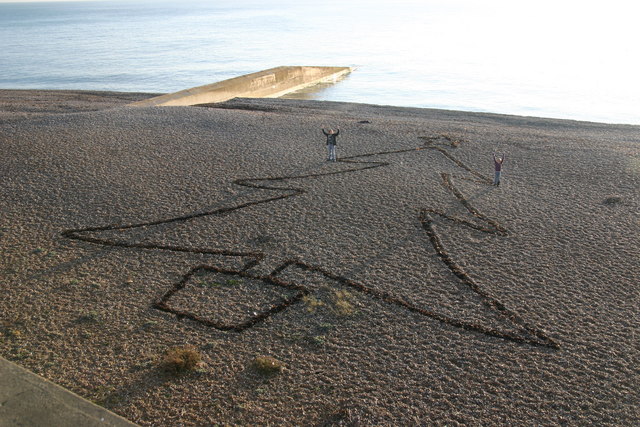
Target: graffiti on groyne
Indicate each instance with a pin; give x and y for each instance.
(280, 189)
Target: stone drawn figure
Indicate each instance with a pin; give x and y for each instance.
(271, 283)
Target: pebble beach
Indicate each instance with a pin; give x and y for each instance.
(395, 286)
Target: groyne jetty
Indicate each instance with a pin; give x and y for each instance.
(270, 83)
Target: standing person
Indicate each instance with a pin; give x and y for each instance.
(497, 162)
(331, 143)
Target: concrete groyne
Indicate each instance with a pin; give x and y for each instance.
(270, 83)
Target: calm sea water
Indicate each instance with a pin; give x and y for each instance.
(546, 58)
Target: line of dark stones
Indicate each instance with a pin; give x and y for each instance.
(257, 257)
(542, 340)
(428, 225)
(163, 303)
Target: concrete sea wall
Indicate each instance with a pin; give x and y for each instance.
(269, 83)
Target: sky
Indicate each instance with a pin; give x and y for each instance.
(37, 1)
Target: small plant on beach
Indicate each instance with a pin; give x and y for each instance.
(181, 359)
(105, 396)
(342, 303)
(89, 317)
(20, 354)
(326, 327)
(10, 333)
(267, 365)
(612, 200)
(319, 340)
(149, 324)
(312, 303)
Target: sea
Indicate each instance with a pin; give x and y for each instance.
(545, 58)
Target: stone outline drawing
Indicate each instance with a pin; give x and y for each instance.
(427, 217)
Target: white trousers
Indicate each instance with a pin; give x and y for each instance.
(331, 148)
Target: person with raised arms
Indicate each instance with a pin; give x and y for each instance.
(497, 162)
(331, 143)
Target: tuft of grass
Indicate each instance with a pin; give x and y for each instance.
(10, 333)
(319, 340)
(149, 324)
(312, 303)
(267, 365)
(612, 200)
(181, 359)
(342, 303)
(21, 354)
(89, 317)
(325, 327)
(104, 396)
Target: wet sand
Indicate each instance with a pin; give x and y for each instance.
(397, 286)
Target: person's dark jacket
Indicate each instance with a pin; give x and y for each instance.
(331, 137)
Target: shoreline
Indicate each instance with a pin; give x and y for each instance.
(70, 101)
(395, 286)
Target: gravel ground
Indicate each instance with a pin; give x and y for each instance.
(395, 286)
